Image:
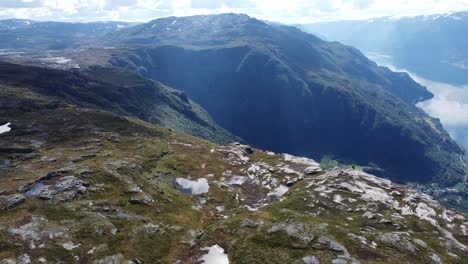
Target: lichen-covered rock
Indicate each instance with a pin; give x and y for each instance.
(252, 223)
(116, 259)
(11, 201)
(66, 189)
(398, 240)
(143, 199)
(296, 231)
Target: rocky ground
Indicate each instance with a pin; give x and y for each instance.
(87, 186)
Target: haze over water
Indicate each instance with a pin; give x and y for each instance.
(450, 102)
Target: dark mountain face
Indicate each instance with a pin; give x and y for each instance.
(285, 90)
(119, 91)
(435, 47)
(27, 34)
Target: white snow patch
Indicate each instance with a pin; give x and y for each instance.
(215, 255)
(5, 128)
(337, 198)
(70, 245)
(57, 60)
(252, 209)
(280, 191)
(195, 187)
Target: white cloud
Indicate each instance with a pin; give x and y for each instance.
(290, 11)
(20, 4)
(450, 103)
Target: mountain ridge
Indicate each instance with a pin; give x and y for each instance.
(432, 46)
(121, 92)
(256, 60)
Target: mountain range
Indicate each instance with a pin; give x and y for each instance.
(432, 46)
(279, 88)
(142, 144)
(24, 34)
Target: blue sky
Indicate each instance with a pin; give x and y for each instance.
(286, 11)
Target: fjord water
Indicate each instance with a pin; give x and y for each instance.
(450, 102)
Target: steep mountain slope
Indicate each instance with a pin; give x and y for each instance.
(435, 46)
(28, 34)
(120, 91)
(87, 186)
(282, 89)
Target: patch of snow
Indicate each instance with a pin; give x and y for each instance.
(215, 255)
(70, 245)
(5, 128)
(280, 191)
(202, 200)
(252, 209)
(36, 189)
(199, 186)
(57, 60)
(337, 198)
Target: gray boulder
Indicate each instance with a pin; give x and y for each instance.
(11, 201)
(398, 240)
(68, 188)
(296, 231)
(310, 260)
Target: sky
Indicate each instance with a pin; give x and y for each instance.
(285, 11)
